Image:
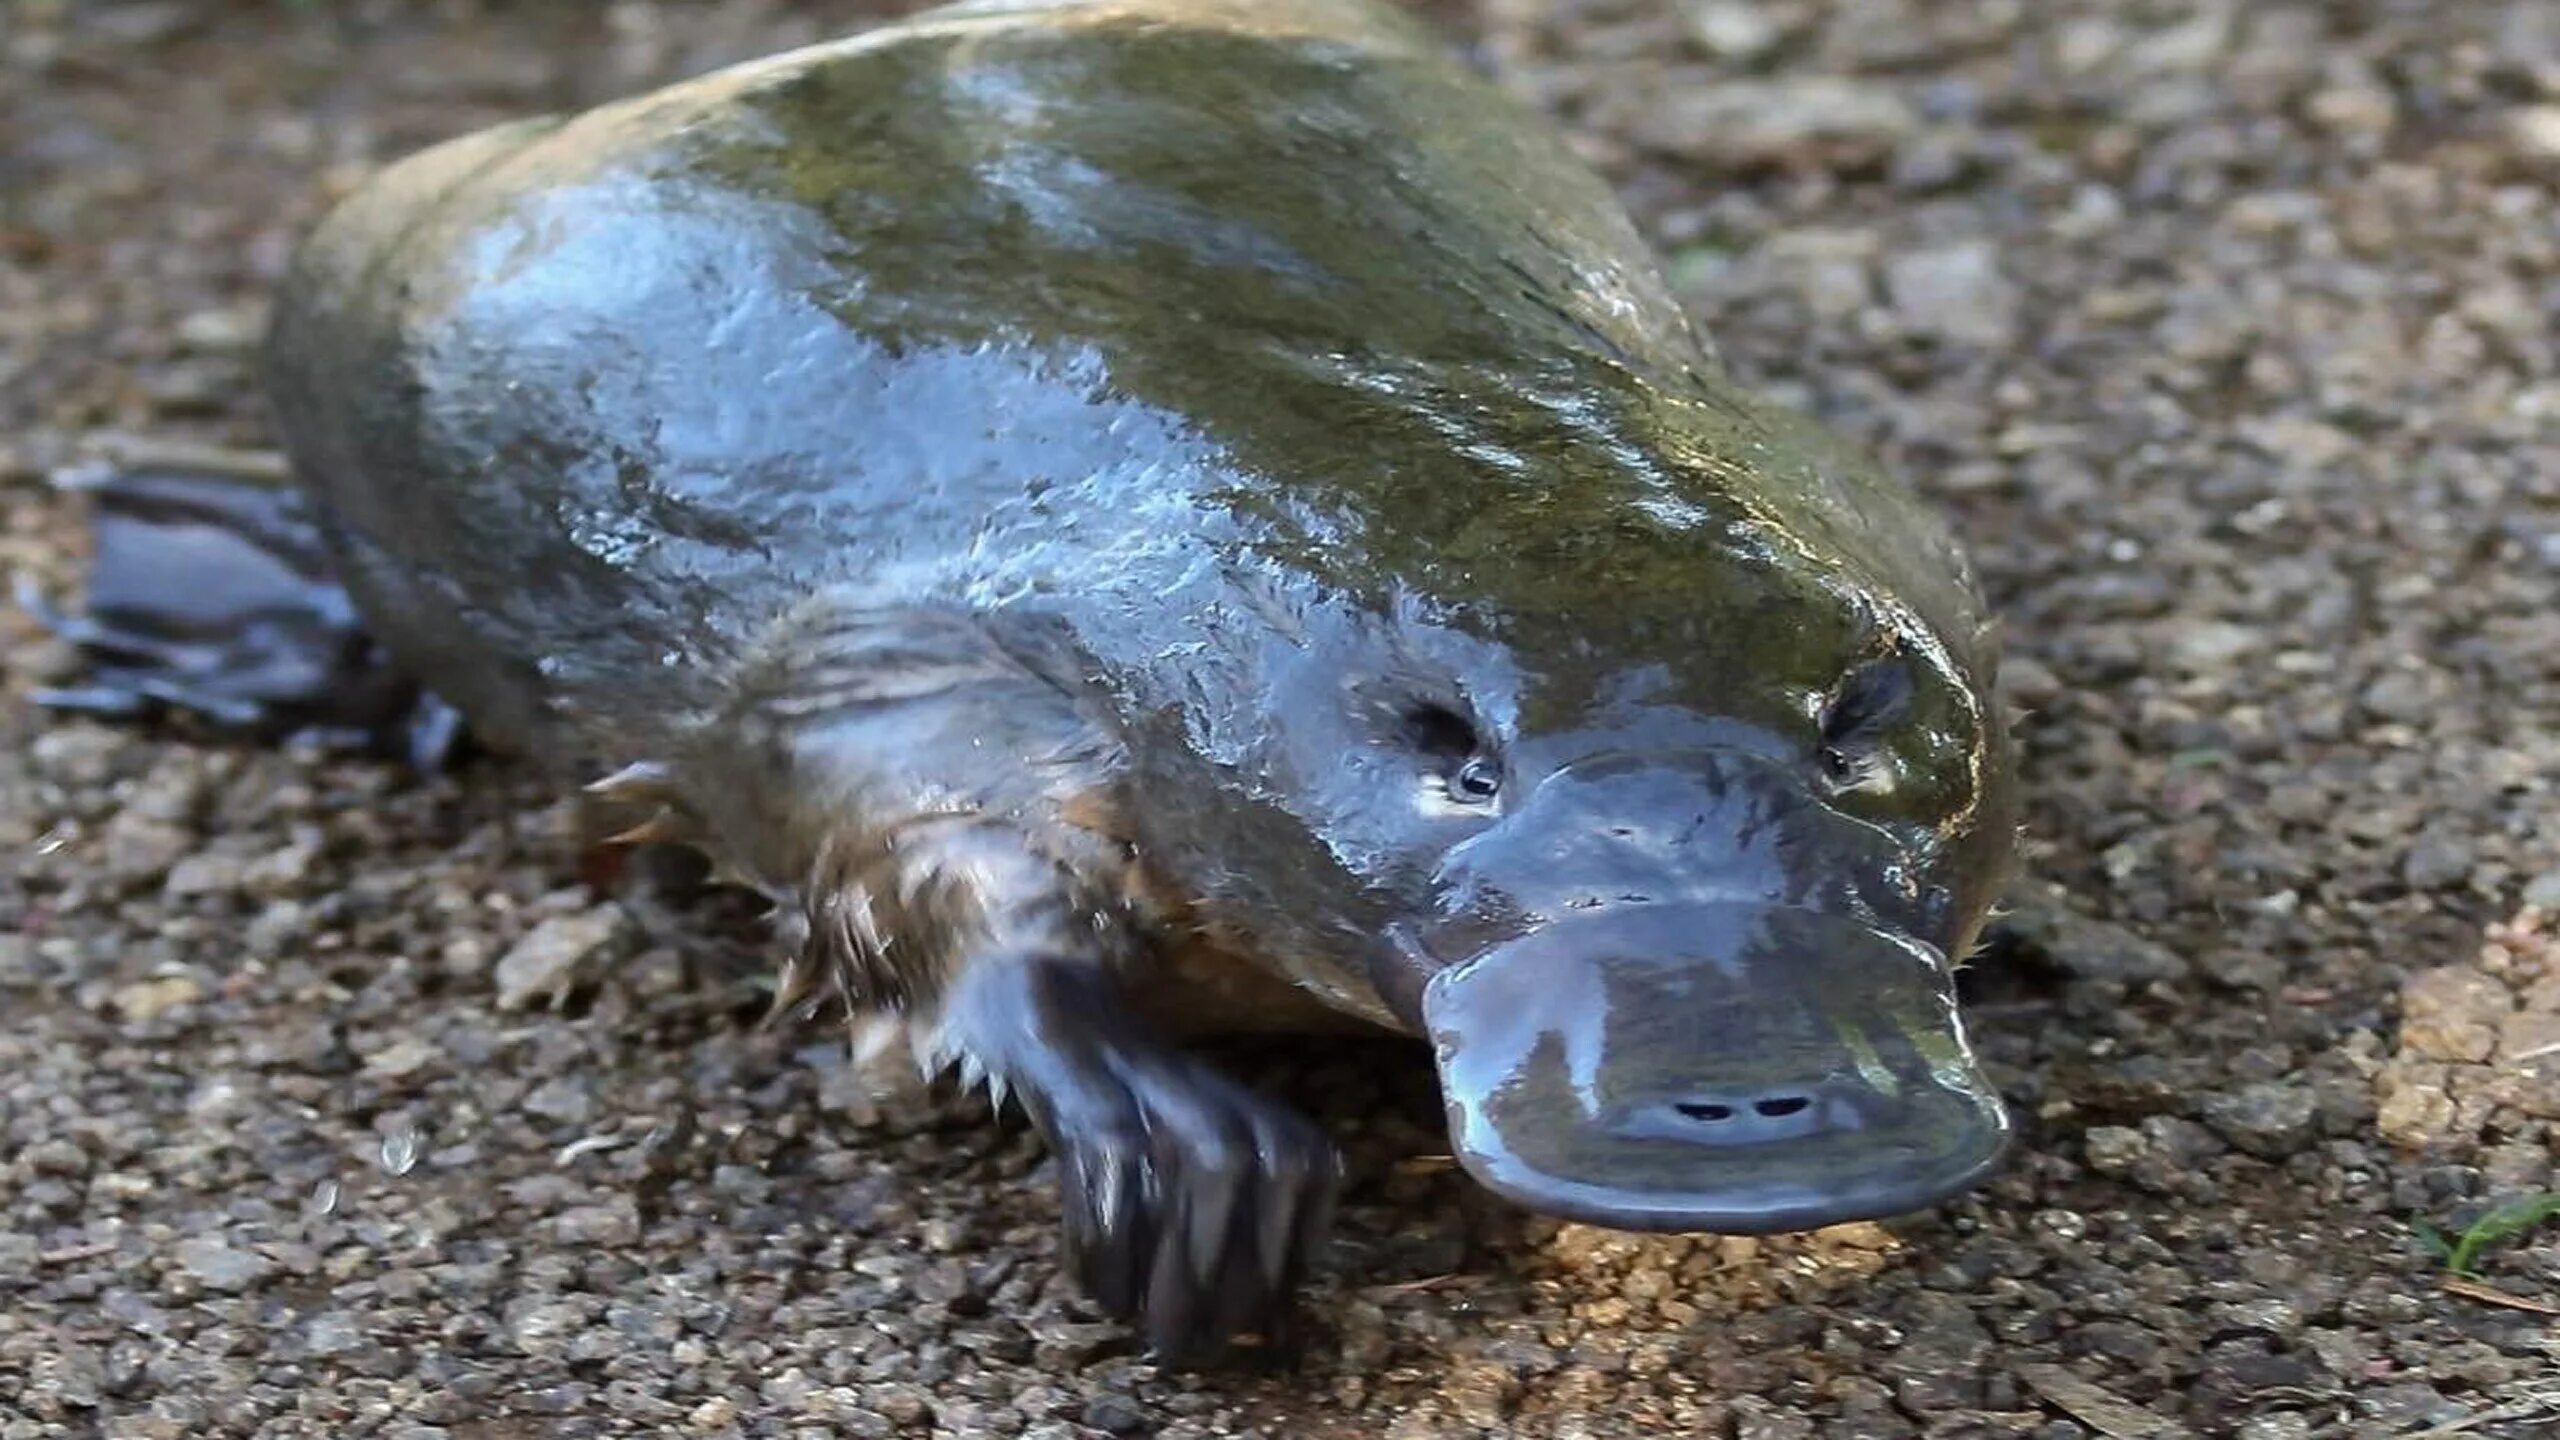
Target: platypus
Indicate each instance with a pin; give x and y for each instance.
(1128, 518)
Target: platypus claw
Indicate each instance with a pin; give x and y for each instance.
(1191, 1204)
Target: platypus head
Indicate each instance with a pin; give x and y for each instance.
(1681, 811)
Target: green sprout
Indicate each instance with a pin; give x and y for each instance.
(2499, 1223)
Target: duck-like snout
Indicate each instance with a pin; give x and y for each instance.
(1683, 997)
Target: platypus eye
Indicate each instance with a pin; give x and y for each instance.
(1870, 701)
(1473, 776)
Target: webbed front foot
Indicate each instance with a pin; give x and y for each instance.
(1192, 1205)
(210, 594)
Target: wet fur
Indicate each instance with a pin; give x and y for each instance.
(994, 928)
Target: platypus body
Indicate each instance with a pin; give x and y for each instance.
(1164, 508)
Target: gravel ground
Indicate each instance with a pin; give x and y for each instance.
(2228, 332)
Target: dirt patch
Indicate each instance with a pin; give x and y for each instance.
(2229, 333)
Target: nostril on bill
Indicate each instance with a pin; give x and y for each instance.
(1739, 1119)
